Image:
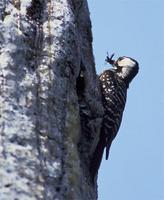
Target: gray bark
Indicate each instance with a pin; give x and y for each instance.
(50, 105)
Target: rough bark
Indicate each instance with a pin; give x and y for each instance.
(50, 106)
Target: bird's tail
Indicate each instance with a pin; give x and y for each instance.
(107, 149)
(97, 157)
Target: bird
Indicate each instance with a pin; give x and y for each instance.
(114, 83)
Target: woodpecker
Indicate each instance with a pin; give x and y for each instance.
(114, 83)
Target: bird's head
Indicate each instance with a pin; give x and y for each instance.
(125, 67)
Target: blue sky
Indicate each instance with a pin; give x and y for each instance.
(135, 28)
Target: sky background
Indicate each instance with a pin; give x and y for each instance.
(135, 28)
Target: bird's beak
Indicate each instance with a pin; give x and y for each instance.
(114, 65)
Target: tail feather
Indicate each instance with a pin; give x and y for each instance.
(98, 154)
(107, 150)
(97, 157)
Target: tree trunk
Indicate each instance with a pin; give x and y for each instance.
(50, 105)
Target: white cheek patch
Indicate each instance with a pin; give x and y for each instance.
(126, 62)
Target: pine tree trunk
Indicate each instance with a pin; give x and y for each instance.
(50, 104)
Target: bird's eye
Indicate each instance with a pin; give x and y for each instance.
(121, 58)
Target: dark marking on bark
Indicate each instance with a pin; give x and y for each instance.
(8, 185)
(17, 4)
(34, 11)
(80, 84)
